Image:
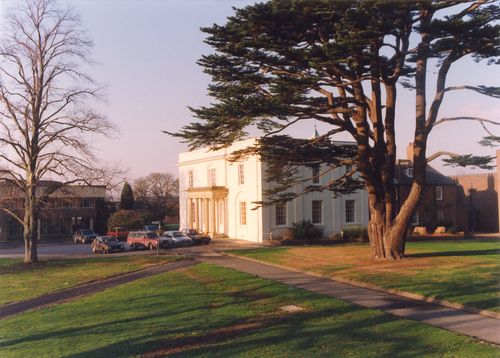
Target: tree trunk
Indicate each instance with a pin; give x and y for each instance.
(30, 227)
(387, 242)
(388, 237)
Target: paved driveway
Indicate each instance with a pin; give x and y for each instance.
(70, 249)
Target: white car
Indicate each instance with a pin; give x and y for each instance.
(178, 236)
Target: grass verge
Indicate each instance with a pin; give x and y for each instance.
(465, 272)
(21, 282)
(211, 311)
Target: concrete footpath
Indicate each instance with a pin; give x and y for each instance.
(475, 325)
(89, 288)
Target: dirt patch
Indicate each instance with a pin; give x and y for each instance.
(218, 335)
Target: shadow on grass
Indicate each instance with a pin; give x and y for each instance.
(319, 333)
(456, 253)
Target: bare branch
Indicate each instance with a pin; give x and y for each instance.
(439, 154)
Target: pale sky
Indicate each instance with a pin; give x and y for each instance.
(147, 49)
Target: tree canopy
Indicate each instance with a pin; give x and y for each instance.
(341, 63)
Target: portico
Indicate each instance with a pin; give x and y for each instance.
(207, 207)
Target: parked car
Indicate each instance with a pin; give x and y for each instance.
(85, 236)
(168, 242)
(120, 232)
(182, 239)
(107, 244)
(197, 237)
(143, 239)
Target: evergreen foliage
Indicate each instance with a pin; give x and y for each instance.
(127, 200)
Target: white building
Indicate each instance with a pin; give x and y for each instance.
(217, 196)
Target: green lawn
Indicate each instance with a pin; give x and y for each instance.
(466, 272)
(211, 311)
(21, 282)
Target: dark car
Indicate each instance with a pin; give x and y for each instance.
(197, 237)
(85, 236)
(107, 244)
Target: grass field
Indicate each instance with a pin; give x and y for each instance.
(21, 282)
(215, 312)
(466, 272)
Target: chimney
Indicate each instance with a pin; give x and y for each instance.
(409, 152)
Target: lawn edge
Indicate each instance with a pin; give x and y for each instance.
(405, 294)
(182, 257)
(36, 306)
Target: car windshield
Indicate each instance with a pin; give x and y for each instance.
(177, 234)
(192, 232)
(87, 232)
(151, 235)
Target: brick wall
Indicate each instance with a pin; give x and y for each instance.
(478, 196)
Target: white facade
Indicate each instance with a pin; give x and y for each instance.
(217, 196)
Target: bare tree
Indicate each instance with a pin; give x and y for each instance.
(44, 112)
(158, 192)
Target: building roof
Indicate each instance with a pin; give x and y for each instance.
(433, 176)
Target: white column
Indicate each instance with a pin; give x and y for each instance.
(197, 214)
(189, 213)
(212, 228)
(206, 226)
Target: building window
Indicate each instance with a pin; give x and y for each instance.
(439, 193)
(87, 203)
(350, 213)
(241, 174)
(212, 179)
(315, 175)
(317, 214)
(409, 172)
(190, 179)
(243, 213)
(281, 214)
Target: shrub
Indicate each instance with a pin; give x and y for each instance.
(128, 218)
(430, 227)
(355, 233)
(305, 230)
(287, 234)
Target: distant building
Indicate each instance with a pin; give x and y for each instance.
(217, 196)
(440, 202)
(479, 195)
(64, 211)
(439, 205)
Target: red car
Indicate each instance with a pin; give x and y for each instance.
(143, 239)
